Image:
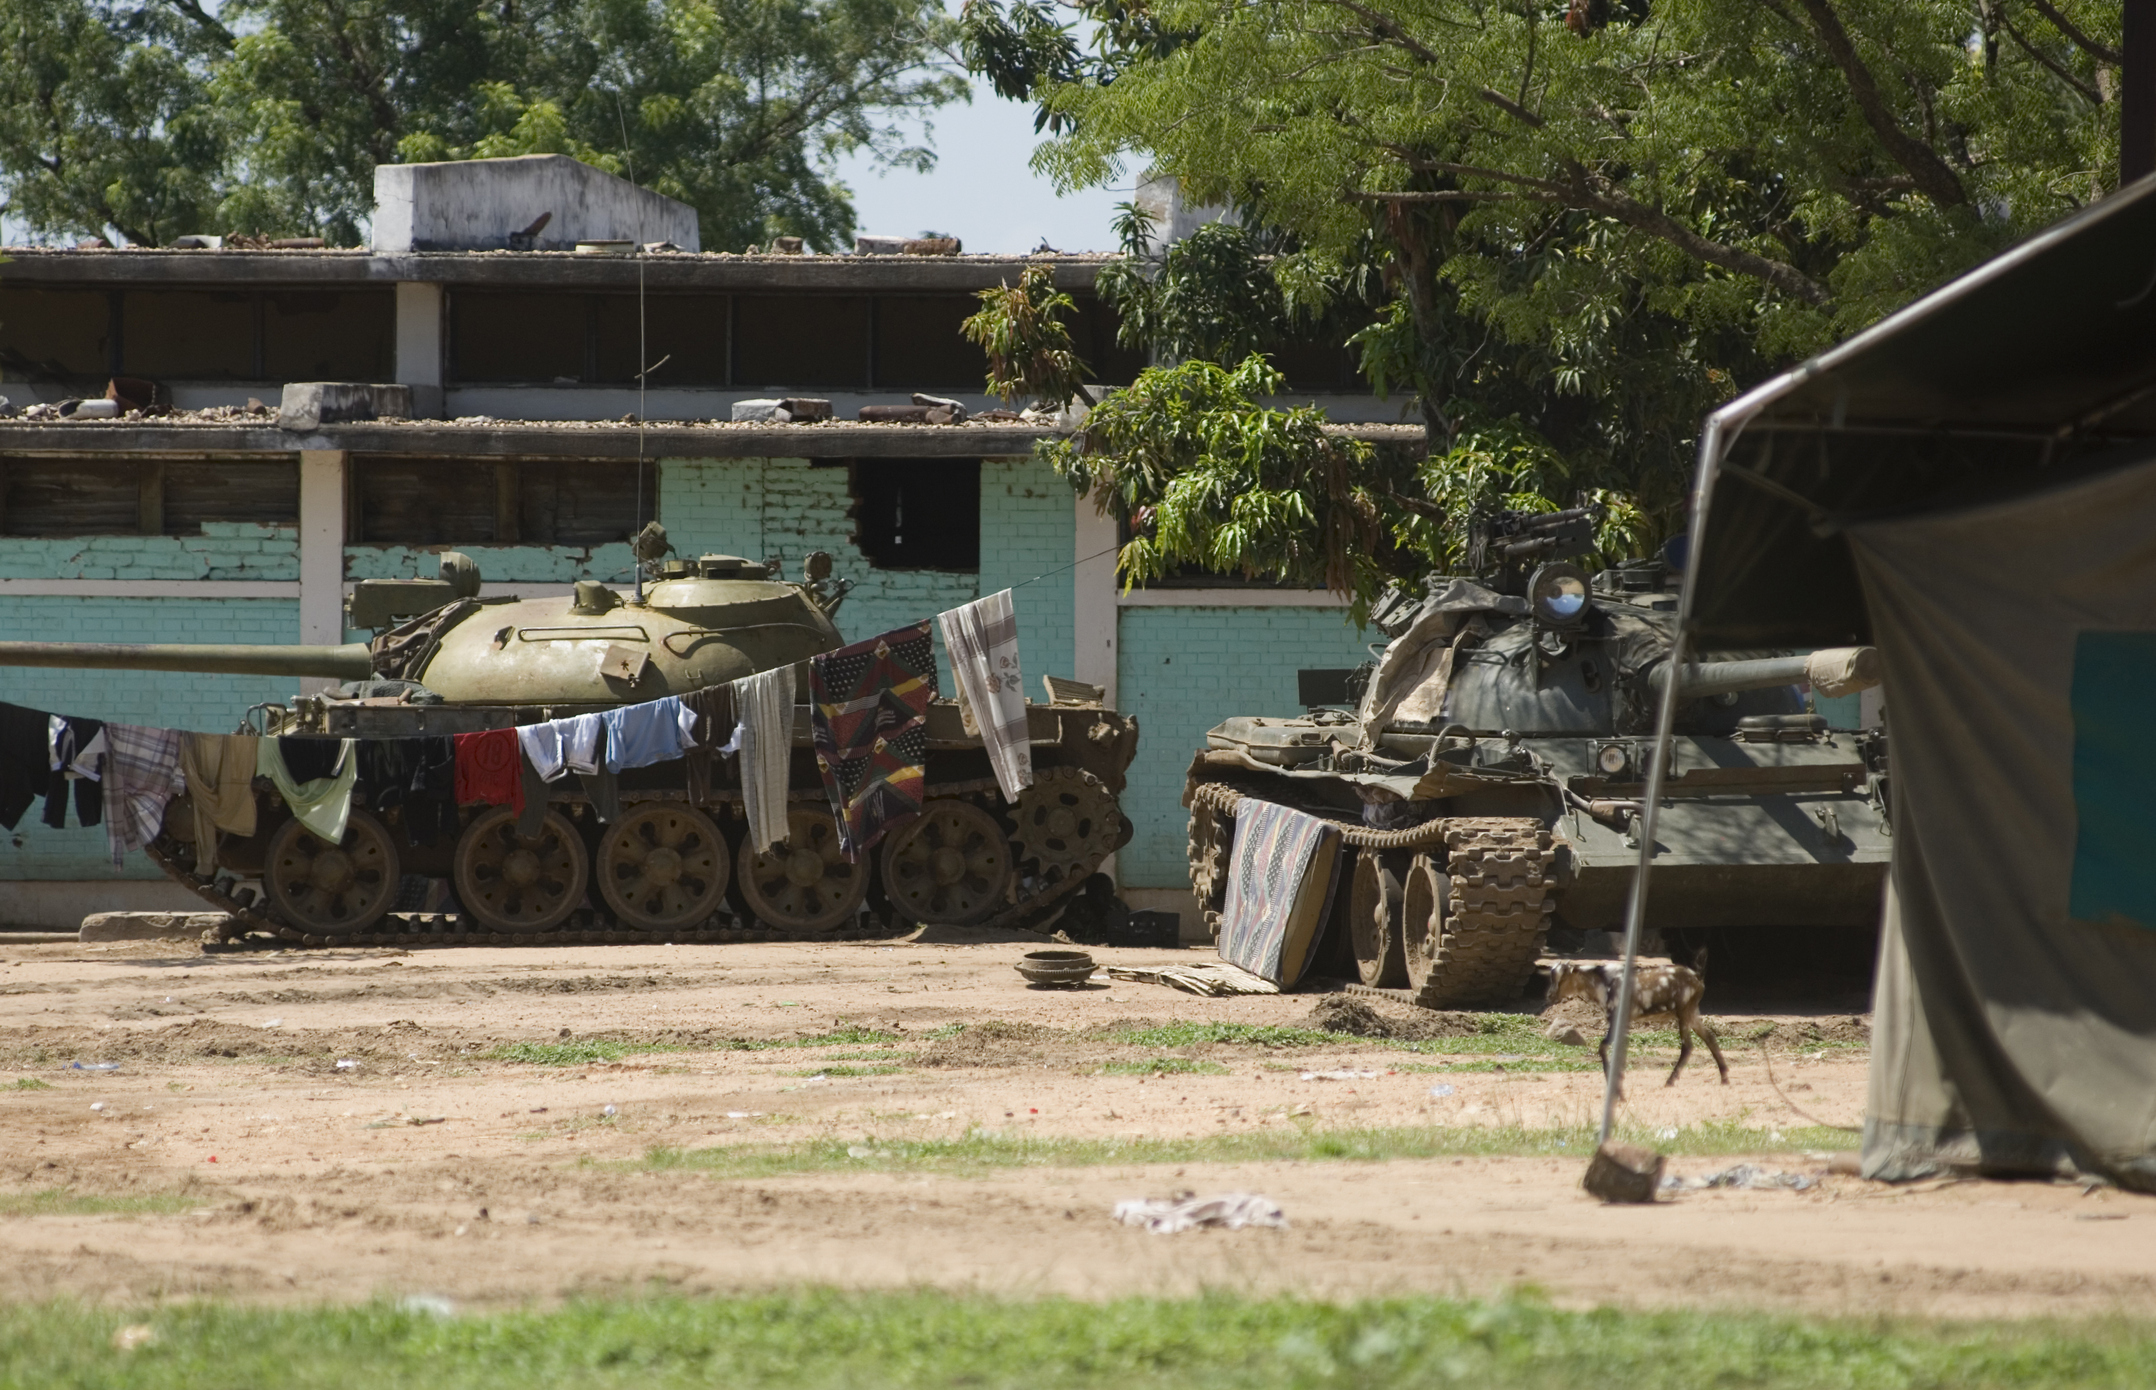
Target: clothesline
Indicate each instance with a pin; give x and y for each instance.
(869, 705)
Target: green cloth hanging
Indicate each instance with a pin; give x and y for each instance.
(322, 805)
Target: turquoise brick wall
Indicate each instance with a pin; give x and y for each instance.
(224, 550)
(207, 704)
(1028, 528)
(1183, 670)
(498, 564)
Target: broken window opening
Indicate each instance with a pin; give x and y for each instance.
(917, 514)
(146, 497)
(575, 503)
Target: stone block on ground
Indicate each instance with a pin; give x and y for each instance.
(152, 926)
(1624, 1173)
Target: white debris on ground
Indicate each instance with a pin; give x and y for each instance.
(1744, 1175)
(1213, 978)
(1340, 1075)
(1186, 1212)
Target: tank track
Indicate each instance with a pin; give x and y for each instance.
(1501, 870)
(595, 925)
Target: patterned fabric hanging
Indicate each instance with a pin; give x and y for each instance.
(870, 719)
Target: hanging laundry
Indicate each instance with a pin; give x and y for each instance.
(430, 791)
(220, 773)
(656, 731)
(598, 781)
(713, 711)
(490, 769)
(764, 738)
(310, 758)
(982, 638)
(75, 749)
(142, 773)
(580, 742)
(870, 721)
(323, 804)
(25, 760)
(542, 748)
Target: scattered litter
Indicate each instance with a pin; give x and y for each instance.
(863, 1151)
(1213, 979)
(1339, 1075)
(744, 1114)
(93, 1066)
(347, 1064)
(135, 1334)
(409, 1120)
(1185, 1212)
(1440, 1091)
(432, 1303)
(1666, 1132)
(610, 1112)
(98, 1106)
(273, 1023)
(538, 1110)
(1744, 1175)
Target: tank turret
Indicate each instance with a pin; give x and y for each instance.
(1494, 753)
(674, 861)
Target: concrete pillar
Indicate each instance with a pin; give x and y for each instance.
(421, 342)
(321, 553)
(1093, 607)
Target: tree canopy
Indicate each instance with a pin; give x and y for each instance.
(153, 118)
(1593, 219)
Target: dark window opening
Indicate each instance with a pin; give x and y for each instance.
(917, 514)
(55, 333)
(684, 339)
(513, 337)
(173, 497)
(458, 501)
(801, 340)
(919, 345)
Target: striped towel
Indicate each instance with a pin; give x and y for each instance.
(982, 638)
(142, 773)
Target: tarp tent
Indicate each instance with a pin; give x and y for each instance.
(1971, 486)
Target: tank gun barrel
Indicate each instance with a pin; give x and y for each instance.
(1833, 672)
(351, 661)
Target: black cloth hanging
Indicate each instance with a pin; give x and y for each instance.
(25, 762)
(310, 758)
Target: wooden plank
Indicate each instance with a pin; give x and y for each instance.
(151, 499)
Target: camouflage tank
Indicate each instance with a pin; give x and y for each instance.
(673, 865)
(1488, 769)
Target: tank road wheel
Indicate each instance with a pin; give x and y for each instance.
(1476, 915)
(804, 885)
(1427, 901)
(663, 866)
(1067, 822)
(1374, 920)
(951, 864)
(1211, 835)
(510, 884)
(332, 890)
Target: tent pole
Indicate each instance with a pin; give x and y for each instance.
(1710, 458)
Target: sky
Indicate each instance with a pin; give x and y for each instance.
(981, 190)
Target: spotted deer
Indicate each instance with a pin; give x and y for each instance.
(1658, 992)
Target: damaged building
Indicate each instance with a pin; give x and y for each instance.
(516, 301)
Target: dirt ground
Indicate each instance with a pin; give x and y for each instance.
(307, 1180)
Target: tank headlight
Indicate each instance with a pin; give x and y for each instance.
(1558, 594)
(1613, 759)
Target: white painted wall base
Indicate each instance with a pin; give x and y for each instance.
(60, 905)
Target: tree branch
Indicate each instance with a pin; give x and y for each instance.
(1511, 108)
(2082, 41)
(1596, 193)
(205, 21)
(2095, 97)
(1933, 178)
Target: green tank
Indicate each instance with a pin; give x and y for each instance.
(673, 864)
(1488, 767)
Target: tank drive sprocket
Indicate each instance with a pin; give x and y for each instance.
(1067, 823)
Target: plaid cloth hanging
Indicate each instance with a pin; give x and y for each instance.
(869, 716)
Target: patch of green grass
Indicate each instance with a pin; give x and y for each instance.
(31, 1083)
(824, 1339)
(1164, 1066)
(885, 1055)
(58, 1201)
(985, 1149)
(848, 1071)
(571, 1052)
(1518, 1066)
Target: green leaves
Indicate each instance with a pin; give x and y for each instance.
(149, 118)
(1021, 328)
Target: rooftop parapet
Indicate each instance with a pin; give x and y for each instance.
(535, 202)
